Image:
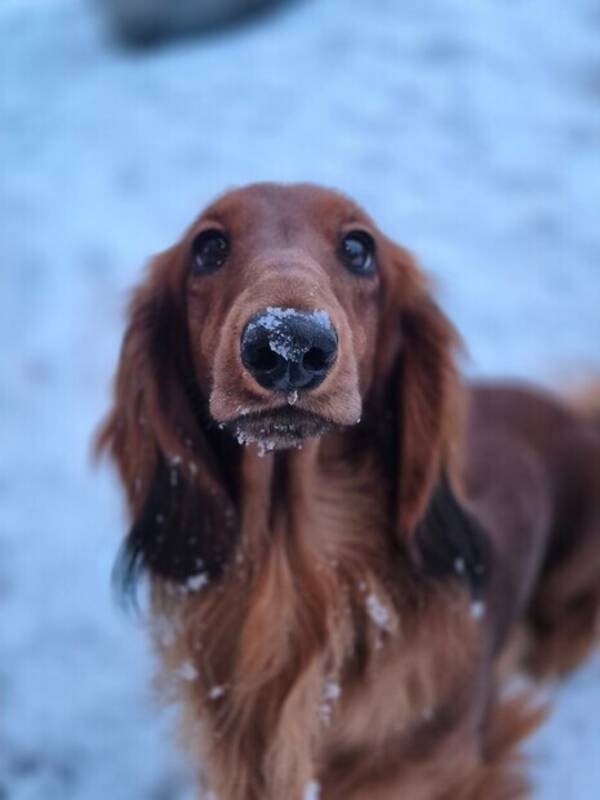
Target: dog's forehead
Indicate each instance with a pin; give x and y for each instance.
(284, 208)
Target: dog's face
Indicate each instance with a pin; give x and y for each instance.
(282, 292)
(282, 313)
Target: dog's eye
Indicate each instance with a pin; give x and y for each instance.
(357, 250)
(210, 248)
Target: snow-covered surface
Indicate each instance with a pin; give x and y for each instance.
(471, 132)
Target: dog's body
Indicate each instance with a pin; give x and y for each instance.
(539, 462)
(333, 616)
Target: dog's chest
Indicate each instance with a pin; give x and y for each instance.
(307, 650)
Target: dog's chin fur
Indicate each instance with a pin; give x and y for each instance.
(279, 429)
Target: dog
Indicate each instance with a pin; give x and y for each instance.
(343, 540)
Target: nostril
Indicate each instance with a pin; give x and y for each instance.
(261, 358)
(315, 360)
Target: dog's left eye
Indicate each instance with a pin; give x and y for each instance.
(357, 251)
(210, 249)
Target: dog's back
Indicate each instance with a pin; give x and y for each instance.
(545, 455)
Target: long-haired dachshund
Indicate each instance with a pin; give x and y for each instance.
(340, 537)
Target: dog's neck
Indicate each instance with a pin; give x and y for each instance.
(317, 499)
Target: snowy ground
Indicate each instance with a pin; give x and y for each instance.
(470, 130)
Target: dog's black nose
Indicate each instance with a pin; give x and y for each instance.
(285, 349)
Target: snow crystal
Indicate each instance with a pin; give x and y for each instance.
(243, 438)
(285, 345)
(331, 690)
(331, 693)
(197, 582)
(274, 315)
(215, 692)
(292, 397)
(312, 791)
(378, 612)
(477, 609)
(459, 566)
(265, 446)
(322, 317)
(281, 340)
(187, 672)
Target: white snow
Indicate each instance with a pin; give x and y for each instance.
(187, 672)
(197, 582)
(281, 340)
(332, 690)
(264, 445)
(331, 693)
(312, 791)
(459, 566)
(477, 609)
(469, 130)
(377, 611)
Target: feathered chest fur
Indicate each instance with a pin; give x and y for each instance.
(318, 646)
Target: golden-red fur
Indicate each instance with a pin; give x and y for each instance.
(337, 613)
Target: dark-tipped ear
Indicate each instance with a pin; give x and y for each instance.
(158, 433)
(422, 429)
(450, 542)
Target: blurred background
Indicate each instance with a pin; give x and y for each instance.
(469, 129)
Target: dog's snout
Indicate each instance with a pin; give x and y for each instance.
(286, 349)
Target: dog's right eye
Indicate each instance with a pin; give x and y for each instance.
(210, 249)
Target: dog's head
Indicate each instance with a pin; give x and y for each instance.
(282, 300)
(281, 314)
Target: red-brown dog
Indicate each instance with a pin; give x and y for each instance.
(339, 537)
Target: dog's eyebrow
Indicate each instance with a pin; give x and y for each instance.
(353, 215)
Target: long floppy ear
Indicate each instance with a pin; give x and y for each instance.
(424, 418)
(158, 433)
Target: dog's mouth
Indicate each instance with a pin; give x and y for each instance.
(280, 428)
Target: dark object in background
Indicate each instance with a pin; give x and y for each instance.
(145, 22)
